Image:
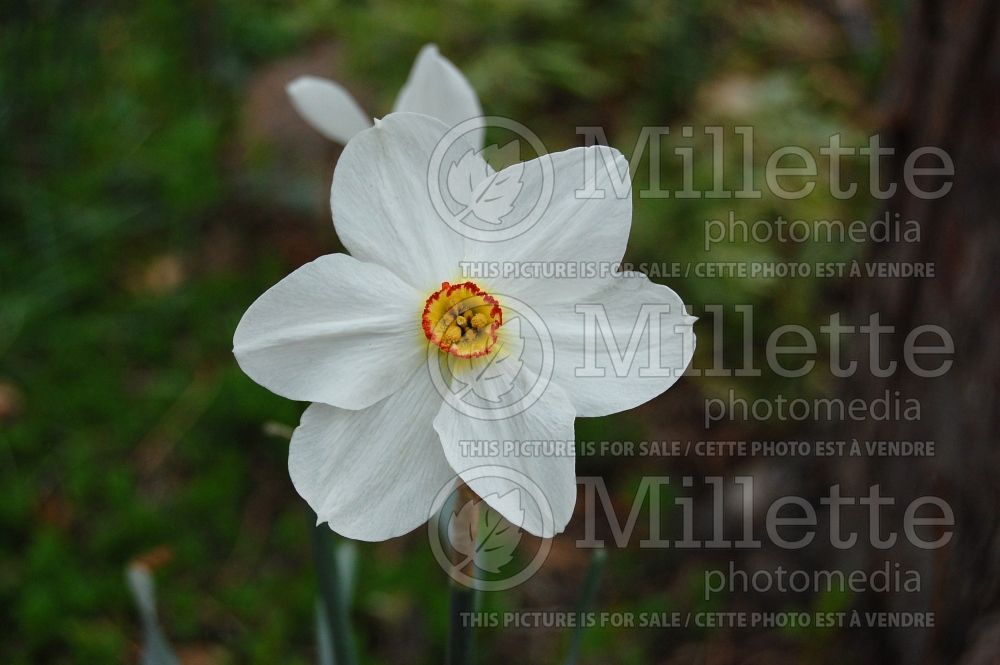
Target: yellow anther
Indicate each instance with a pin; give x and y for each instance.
(453, 334)
(462, 319)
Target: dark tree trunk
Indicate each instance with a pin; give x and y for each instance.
(945, 92)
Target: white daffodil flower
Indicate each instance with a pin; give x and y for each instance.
(365, 337)
(435, 87)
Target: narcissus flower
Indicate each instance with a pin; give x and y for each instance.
(435, 87)
(389, 342)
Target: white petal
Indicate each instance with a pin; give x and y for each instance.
(381, 205)
(658, 356)
(437, 88)
(336, 331)
(372, 474)
(571, 227)
(328, 107)
(548, 495)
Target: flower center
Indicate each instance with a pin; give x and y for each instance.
(462, 319)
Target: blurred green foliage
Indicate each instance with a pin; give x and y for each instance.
(139, 221)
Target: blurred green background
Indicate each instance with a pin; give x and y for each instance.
(154, 180)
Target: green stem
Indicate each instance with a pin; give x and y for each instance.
(590, 584)
(332, 589)
(461, 635)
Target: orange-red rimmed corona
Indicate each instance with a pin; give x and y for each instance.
(462, 319)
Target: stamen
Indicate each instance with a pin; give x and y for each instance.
(452, 334)
(462, 319)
